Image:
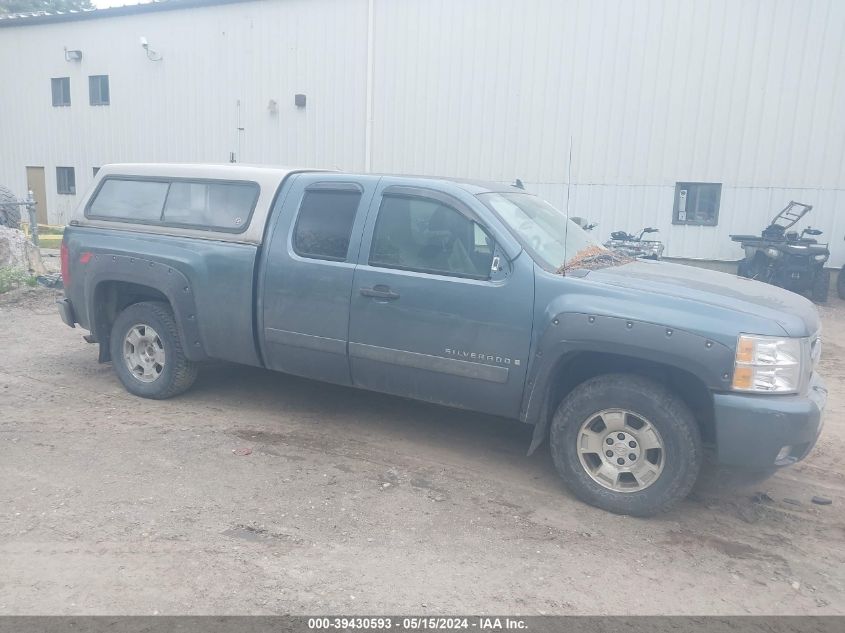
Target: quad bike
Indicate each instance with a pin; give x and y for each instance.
(786, 258)
(635, 245)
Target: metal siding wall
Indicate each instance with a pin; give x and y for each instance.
(184, 108)
(749, 93)
(647, 89)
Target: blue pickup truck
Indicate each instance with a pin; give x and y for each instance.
(466, 294)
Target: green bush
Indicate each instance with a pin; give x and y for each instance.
(13, 277)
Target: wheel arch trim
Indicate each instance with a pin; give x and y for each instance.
(570, 336)
(105, 268)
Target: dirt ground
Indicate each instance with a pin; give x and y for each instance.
(361, 503)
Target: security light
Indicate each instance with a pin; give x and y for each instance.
(151, 54)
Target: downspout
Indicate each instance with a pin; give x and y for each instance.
(368, 123)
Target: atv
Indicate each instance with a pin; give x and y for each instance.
(786, 258)
(635, 245)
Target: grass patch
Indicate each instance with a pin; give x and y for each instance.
(11, 278)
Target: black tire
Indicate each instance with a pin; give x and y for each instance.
(840, 283)
(10, 212)
(177, 373)
(744, 269)
(759, 269)
(668, 414)
(821, 286)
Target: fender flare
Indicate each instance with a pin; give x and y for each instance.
(167, 280)
(568, 334)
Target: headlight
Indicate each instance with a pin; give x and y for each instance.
(768, 364)
(820, 258)
(773, 253)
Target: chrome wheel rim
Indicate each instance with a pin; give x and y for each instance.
(621, 450)
(143, 353)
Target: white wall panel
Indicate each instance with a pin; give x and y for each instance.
(184, 108)
(748, 93)
(651, 91)
(745, 93)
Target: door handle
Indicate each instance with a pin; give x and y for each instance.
(380, 291)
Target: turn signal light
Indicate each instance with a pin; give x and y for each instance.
(745, 350)
(743, 378)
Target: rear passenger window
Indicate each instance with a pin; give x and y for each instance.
(427, 236)
(138, 200)
(206, 205)
(215, 205)
(325, 223)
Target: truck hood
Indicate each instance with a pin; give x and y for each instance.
(796, 315)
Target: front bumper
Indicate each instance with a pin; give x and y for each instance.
(66, 312)
(751, 430)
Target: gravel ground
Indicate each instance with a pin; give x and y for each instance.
(262, 493)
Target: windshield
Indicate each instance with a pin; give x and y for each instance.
(552, 238)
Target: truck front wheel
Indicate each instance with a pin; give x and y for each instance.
(626, 444)
(147, 354)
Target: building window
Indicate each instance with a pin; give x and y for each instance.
(324, 225)
(95, 170)
(98, 89)
(61, 91)
(65, 180)
(697, 203)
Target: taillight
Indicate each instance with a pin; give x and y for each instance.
(64, 253)
(65, 259)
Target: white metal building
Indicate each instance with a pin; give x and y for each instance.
(747, 96)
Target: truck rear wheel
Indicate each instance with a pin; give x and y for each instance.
(626, 444)
(147, 354)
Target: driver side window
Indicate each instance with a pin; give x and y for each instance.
(425, 235)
